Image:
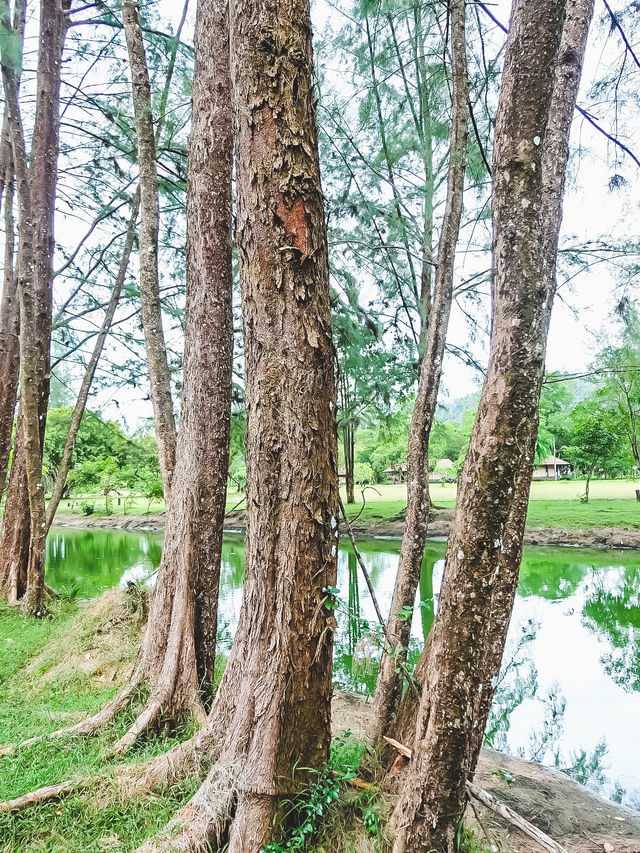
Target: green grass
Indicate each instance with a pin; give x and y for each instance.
(39, 692)
(552, 504)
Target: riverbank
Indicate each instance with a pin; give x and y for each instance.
(56, 671)
(387, 526)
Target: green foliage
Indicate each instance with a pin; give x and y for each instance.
(596, 442)
(307, 812)
(104, 457)
(325, 813)
(587, 767)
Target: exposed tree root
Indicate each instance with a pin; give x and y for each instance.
(185, 760)
(88, 727)
(204, 822)
(42, 795)
(151, 718)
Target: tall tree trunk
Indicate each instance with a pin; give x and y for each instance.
(9, 313)
(462, 658)
(271, 714)
(24, 526)
(159, 375)
(87, 380)
(389, 684)
(179, 648)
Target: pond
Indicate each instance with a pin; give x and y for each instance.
(569, 693)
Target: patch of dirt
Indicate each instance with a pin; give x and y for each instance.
(439, 526)
(112, 522)
(573, 816)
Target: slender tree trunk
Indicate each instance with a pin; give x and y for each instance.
(271, 714)
(24, 525)
(90, 370)
(389, 685)
(159, 374)
(588, 484)
(9, 314)
(348, 441)
(85, 387)
(462, 658)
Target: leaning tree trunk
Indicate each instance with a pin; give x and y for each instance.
(9, 314)
(159, 374)
(389, 685)
(92, 364)
(23, 531)
(271, 715)
(90, 369)
(463, 655)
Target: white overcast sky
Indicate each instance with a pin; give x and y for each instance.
(592, 212)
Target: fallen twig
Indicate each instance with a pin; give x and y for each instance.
(513, 817)
(492, 803)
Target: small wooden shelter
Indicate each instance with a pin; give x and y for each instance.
(551, 468)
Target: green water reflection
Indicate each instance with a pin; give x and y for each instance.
(569, 692)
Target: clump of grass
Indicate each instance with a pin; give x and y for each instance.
(469, 842)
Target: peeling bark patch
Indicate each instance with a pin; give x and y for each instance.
(294, 218)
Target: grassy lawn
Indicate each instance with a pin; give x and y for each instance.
(552, 504)
(54, 672)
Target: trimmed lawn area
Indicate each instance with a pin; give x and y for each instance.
(552, 504)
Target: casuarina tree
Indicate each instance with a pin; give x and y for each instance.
(462, 658)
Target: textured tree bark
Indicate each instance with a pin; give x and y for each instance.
(159, 375)
(462, 658)
(24, 526)
(555, 156)
(178, 653)
(271, 714)
(389, 685)
(9, 313)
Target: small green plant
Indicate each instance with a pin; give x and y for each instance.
(504, 775)
(307, 812)
(68, 593)
(371, 820)
(88, 509)
(405, 613)
(330, 597)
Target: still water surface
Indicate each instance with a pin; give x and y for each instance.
(570, 691)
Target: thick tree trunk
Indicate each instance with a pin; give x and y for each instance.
(271, 714)
(36, 200)
(462, 658)
(389, 685)
(9, 314)
(178, 653)
(159, 374)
